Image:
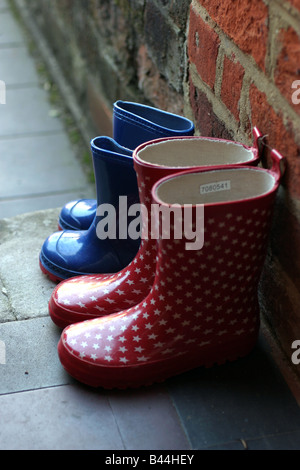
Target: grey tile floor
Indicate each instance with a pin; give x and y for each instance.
(245, 404)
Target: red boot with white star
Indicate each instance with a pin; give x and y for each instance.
(203, 305)
(86, 297)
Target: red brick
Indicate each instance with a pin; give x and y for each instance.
(288, 64)
(243, 21)
(203, 46)
(206, 121)
(279, 136)
(295, 3)
(233, 74)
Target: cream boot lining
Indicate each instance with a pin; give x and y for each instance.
(194, 152)
(215, 186)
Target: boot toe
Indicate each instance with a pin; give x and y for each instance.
(52, 260)
(75, 300)
(86, 297)
(65, 255)
(83, 354)
(60, 254)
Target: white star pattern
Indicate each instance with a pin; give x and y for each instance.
(164, 324)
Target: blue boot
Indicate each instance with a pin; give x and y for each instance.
(133, 124)
(71, 253)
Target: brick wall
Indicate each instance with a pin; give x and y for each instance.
(228, 65)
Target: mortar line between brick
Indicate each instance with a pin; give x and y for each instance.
(219, 107)
(244, 102)
(287, 12)
(219, 72)
(272, 46)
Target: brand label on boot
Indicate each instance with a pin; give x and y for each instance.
(215, 187)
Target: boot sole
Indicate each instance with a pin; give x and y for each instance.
(111, 377)
(69, 318)
(55, 273)
(51, 275)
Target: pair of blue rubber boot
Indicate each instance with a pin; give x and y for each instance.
(77, 249)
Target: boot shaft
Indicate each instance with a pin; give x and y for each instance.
(117, 191)
(222, 276)
(135, 123)
(114, 172)
(163, 157)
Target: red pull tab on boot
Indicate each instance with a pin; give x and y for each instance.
(269, 156)
(278, 165)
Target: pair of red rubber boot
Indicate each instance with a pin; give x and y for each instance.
(189, 297)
